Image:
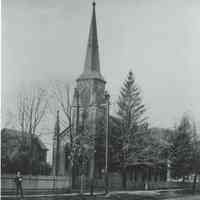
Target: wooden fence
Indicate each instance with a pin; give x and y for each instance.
(36, 184)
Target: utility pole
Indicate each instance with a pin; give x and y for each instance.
(83, 159)
(71, 146)
(57, 141)
(77, 124)
(56, 149)
(107, 98)
(77, 110)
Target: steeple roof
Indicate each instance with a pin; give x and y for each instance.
(92, 64)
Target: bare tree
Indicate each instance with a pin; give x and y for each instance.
(31, 109)
(61, 100)
(83, 148)
(28, 115)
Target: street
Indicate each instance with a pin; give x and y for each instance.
(196, 197)
(118, 195)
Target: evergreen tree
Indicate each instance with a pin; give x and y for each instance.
(131, 112)
(181, 149)
(195, 164)
(131, 108)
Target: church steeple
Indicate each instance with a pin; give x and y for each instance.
(92, 64)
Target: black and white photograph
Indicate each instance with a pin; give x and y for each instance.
(100, 100)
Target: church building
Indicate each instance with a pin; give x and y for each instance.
(89, 117)
(88, 109)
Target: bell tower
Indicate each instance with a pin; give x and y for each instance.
(91, 84)
(90, 90)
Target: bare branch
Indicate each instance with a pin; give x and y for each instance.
(61, 100)
(31, 109)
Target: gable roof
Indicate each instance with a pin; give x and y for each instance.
(41, 144)
(15, 134)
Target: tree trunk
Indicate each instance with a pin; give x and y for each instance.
(31, 154)
(146, 181)
(146, 184)
(92, 187)
(194, 183)
(183, 180)
(91, 174)
(82, 183)
(124, 179)
(106, 185)
(71, 173)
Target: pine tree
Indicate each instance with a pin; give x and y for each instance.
(131, 109)
(181, 149)
(131, 112)
(195, 164)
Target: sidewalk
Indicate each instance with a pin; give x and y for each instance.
(52, 195)
(196, 197)
(139, 192)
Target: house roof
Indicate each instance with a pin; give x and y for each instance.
(12, 133)
(41, 144)
(144, 163)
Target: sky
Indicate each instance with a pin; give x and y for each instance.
(157, 39)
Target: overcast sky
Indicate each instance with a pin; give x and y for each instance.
(159, 40)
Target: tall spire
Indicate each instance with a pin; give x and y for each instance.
(92, 64)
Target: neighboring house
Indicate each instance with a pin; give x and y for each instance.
(15, 146)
